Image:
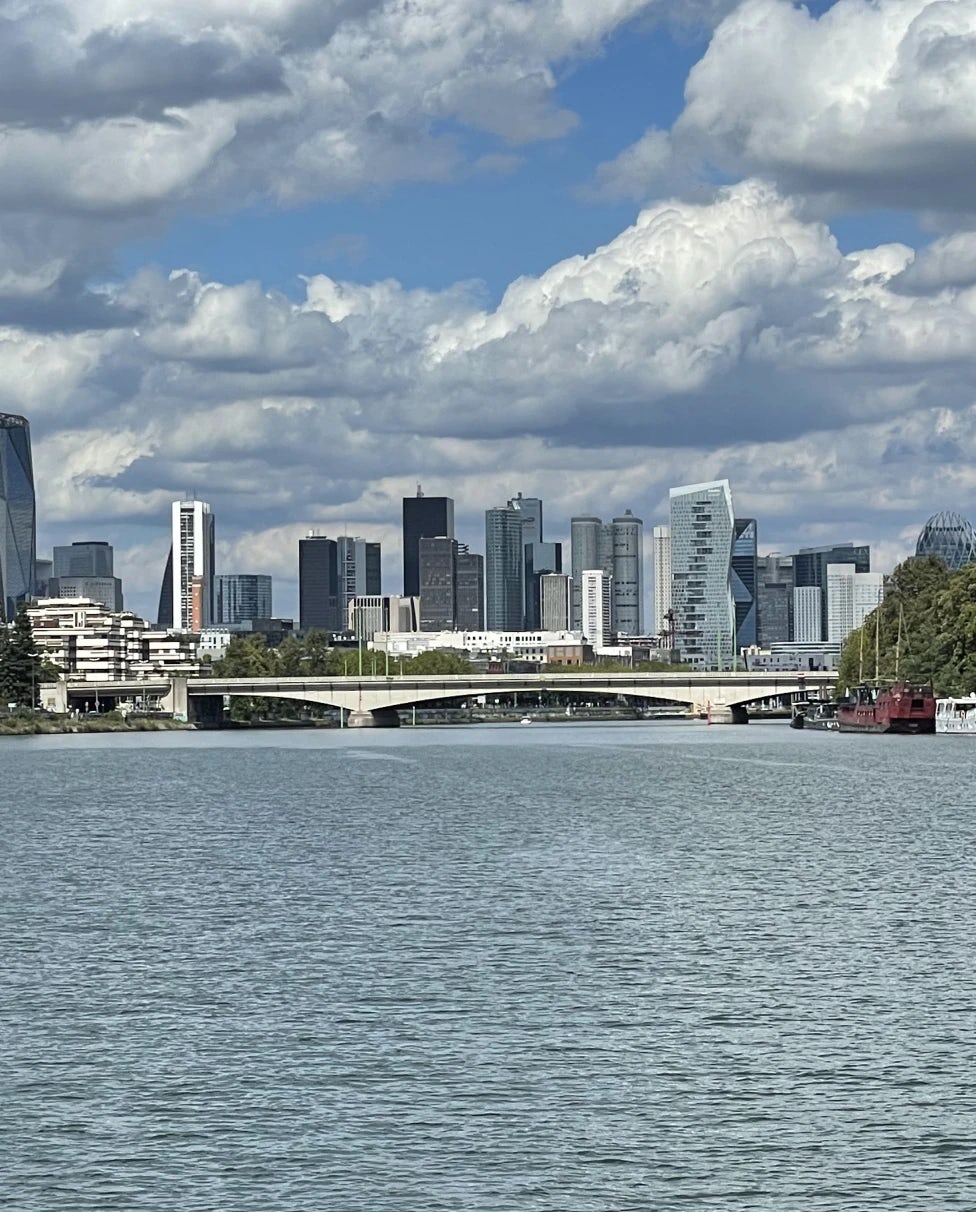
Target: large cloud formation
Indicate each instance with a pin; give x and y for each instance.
(723, 335)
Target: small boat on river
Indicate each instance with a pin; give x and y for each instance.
(956, 716)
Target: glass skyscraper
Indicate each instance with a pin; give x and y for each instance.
(702, 533)
(504, 570)
(950, 537)
(423, 518)
(745, 579)
(242, 596)
(18, 541)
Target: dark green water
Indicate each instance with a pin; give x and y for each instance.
(580, 968)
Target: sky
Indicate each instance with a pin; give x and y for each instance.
(295, 257)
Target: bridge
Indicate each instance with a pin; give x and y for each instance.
(377, 700)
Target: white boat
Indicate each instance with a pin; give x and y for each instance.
(956, 715)
(525, 720)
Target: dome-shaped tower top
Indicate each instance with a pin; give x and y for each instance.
(950, 537)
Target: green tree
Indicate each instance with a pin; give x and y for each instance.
(21, 673)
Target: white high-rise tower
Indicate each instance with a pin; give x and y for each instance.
(702, 530)
(661, 550)
(193, 565)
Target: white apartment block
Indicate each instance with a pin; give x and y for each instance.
(806, 615)
(851, 597)
(525, 645)
(89, 642)
(597, 607)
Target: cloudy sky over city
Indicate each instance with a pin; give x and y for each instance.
(296, 256)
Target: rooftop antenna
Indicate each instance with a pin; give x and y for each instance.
(420, 491)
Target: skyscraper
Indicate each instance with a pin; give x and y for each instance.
(241, 596)
(810, 569)
(438, 584)
(469, 590)
(702, 529)
(423, 518)
(591, 546)
(359, 565)
(538, 556)
(86, 570)
(18, 538)
(774, 599)
(597, 597)
(193, 565)
(806, 615)
(745, 578)
(555, 601)
(851, 596)
(661, 541)
(504, 570)
(627, 534)
(318, 584)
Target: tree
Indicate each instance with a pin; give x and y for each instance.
(21, 665)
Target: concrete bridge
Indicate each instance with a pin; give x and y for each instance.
(375, 700)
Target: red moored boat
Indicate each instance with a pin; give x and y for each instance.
(903, 707)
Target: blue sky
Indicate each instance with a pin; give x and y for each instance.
(738, 246)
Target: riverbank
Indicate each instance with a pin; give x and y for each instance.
(39, 725)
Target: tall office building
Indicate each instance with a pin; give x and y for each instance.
(702, 530)
(504, 570)
(810, 569)
(86, 570)
(164, 611)
(745, 580)
(423, 518)
(85, 559)
(555, 601)
(18, 537)
(617, 548)
(627, 537)
(359, 569)
(438, 584)
(539, 557)
(43, 571)
(469, 595)
(807, 627)
(661, 553)
(193, 565)
(318, 584)
(851, 596)
(774, 599)
(597, 607)
(241, 596)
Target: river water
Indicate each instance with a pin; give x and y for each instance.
(572, 967)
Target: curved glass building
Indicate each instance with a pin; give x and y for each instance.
(950, 537)
(18, 538)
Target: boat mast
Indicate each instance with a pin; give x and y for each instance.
(860, 655)
(877, 643)
(901, 618)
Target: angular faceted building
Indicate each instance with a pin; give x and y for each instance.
(702, 534)
(950, 537)
(18, 539)
(745, 577)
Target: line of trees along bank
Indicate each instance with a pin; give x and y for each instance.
(21, 668)
(933, 611)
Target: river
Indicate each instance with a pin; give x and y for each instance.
(557, 968)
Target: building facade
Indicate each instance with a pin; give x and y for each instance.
(597, 607)
(193, 565)
(807, 626)
(627, 538)
(85, 570)
(555, 601)
(366, 616)
(950, 537)
(423, 518)
(18, 523)
(702, 530)
(438, 584)
(810, 570)
(661, 555)
(318, 584)
(851, 597)
(774, 599)
(469, 592)
(745, 580)
(241, 596)
(106, 590)
(504, 570)
(359, 565)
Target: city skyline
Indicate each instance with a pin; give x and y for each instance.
(488, 257)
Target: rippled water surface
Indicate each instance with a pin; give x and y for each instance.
(570, 967)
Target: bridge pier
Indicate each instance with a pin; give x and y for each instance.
(722, 713)
(380, 717)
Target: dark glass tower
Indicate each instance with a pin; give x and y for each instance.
(504, 570)
(423, 518)
(744, 578)
(318, 584)
(18, 540)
